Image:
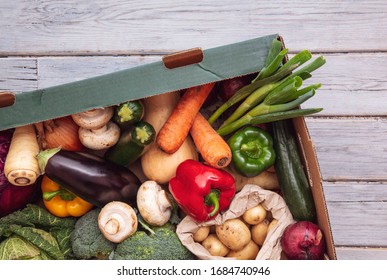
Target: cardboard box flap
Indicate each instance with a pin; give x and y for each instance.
(111, 89)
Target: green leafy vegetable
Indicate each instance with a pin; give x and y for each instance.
(34, 233)
(16, 248)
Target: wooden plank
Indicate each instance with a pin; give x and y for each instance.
(357, 213)
(352, 84)
(355, 191)
(359, 223)
(350, 149)
(18, 74)
(133, 27)
(345, 253)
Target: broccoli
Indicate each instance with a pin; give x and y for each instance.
(161, 244)
(87, 241)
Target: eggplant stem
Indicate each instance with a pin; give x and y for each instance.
(44, 156)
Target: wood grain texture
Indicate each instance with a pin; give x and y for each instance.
(133, 27)
(344, 253)
(357, 213)
(18, 74)
(350, 149)
(359, 223)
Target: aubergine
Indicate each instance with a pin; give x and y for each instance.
(132, 144)
(128, 113)
(90, 177)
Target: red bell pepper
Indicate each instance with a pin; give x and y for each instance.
(202, 191)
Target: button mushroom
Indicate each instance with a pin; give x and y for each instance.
(96, 131)
(117, 221)
(100, 138)
(153, 203)
(95, 118)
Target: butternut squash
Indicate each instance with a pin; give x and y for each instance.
(156, 164)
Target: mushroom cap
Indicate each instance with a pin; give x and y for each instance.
(117, 221)
(153, 203)
(95, 118)
(99, 139)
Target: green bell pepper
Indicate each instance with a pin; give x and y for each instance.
(252, 150)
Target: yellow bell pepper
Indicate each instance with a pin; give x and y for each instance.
(62, 203)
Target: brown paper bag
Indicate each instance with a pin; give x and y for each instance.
(248, 197)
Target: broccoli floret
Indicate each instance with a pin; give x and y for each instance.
(163, 244)
(87, 241)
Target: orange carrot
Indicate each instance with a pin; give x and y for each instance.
(173, 133)
(212, 147)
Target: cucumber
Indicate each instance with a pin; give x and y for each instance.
(128, 113)
(132, 144)
(293, 182)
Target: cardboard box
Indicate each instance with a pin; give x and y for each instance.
(175, 72)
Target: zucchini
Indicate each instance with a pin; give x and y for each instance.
(128, 113)
(294, 184)
(132, 144)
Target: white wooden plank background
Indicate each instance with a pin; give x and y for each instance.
(43, 43)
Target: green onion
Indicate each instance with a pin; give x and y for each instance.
(246, 91)
(266, 118)
(264, 108)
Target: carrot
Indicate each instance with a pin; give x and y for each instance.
(212, 147)
(21, 166)
(174, 131)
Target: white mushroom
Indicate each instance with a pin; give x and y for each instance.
(153, 203)
(117, 221)
(95, 118)
(96, 131)
(100, 138)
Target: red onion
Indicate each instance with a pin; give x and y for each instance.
(12, 197)
(303, 240)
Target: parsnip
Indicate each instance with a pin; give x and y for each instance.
(21, 166)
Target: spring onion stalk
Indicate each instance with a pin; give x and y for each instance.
(299, 59)
(264, 108)
(303, 91)
(275, 49)
(273, 66)
(258, 96)
(266, 118)
(283, 92)
(265, 76)
(305, 71)
(247, 90)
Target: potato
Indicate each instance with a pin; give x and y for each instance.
(201, 233)
(272, 224)
(233, 233)
(267, 179)
(249, 252)
(214, 246)
(255, 215)
(259, 232)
